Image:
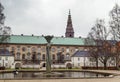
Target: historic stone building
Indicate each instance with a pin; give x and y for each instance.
(30, 51)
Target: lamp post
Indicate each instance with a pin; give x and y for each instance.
(48, 59)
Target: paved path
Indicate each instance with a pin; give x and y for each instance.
(67, 80)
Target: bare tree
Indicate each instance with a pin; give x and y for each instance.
(115, 22)
(115, 30)
(4, 30)
(99, 35)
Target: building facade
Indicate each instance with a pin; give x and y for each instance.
(83, 59)
(6, 59)
(31, 50)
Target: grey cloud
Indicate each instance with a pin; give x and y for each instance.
(50, 16)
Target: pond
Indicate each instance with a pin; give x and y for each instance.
(38, 75)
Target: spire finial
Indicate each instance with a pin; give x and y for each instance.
(69, 11)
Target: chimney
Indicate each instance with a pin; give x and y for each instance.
(21, 34)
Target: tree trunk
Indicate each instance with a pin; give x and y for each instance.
(105, 65)
(97, 63)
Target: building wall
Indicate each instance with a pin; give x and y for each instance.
(66, 51)
(25, 49)
(7, 61)
(88, 61)
(80, 61)
(23, 53)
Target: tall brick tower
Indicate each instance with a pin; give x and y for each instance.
(69, 28)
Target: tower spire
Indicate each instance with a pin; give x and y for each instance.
(69, 28)
(69, 12)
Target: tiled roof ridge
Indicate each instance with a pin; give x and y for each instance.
(28, 35)
(68, 37)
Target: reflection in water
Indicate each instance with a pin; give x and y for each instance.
(28, 75)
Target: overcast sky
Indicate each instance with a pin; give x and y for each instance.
(49, 17)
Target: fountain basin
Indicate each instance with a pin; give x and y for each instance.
(55, 74)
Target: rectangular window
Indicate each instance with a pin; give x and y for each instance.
(28, 49)
(38, 56)
(78, 59)
(53, 49)
(67, 50)
(58, 49)
(18, 56)
(8, 48)
(43, 57)
(23, 56)
(43, 49)
(62, 49)
(78, 64)
(6, 64)
(18, 49)
(38, 49)
(76, 49)
(13, 48)
(28, 56)
(53, 56)
(6, 58)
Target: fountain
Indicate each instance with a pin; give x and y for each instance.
(48, 72)
(48, 59)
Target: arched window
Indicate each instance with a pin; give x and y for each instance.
(23, 49)
(33, 49)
